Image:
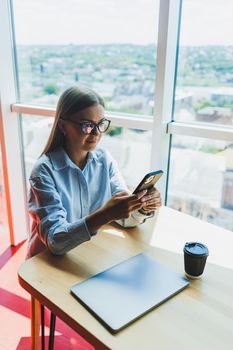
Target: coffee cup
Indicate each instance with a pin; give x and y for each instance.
(195, 255)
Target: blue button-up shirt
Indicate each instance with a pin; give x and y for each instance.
(62, 195)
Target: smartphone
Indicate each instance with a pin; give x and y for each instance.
(148, 181)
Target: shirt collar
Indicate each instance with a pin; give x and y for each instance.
(92, 156)
(60, 159)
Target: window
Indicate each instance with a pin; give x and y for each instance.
(201, 168)
(204, 90)
(111, 46)
(131, 148)
(35, 135)
(201, 179)
(108, 45)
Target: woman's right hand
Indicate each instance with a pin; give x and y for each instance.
(122, 204)
(118, 207)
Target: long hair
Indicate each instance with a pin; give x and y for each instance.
(72, 100)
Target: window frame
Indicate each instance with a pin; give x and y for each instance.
(10, 129)
(162, 125)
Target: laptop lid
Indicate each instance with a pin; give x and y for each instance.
(123, 293)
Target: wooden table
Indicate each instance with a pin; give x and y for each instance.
(200, 317)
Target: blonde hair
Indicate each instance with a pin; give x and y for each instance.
(72, 100)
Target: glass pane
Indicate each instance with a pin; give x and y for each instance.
(3, 211)
(36, 131)
(201, 179)
(131, 148)
(204, 90)
(108, 45)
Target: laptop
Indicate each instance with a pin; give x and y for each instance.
(123, 293)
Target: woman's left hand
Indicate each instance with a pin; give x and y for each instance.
(152, 200)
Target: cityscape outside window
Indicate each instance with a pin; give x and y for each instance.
(201, 179)
(204, 88)
(109, 46)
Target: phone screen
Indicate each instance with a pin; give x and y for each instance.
(149, 181)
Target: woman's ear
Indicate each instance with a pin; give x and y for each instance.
(61, 125)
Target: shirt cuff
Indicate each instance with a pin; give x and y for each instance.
(61, 241)
(90, 233)
(79, 227)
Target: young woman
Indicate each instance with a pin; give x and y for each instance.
(76, 186)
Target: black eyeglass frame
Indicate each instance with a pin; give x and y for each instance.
(93, 124)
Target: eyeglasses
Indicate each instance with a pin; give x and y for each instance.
(88, 127)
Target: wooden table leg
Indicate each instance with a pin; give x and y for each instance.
(35, 323)
(42, 323)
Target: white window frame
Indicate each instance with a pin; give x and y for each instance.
(161, 125)
(10, 135)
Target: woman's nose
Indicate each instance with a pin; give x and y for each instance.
(95, 130)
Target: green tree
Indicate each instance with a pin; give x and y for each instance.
(202, 104)
(51, 89)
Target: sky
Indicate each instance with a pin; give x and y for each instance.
(204, 22)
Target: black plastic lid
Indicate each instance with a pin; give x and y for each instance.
(196, 249)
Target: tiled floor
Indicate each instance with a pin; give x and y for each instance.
(15, 307)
